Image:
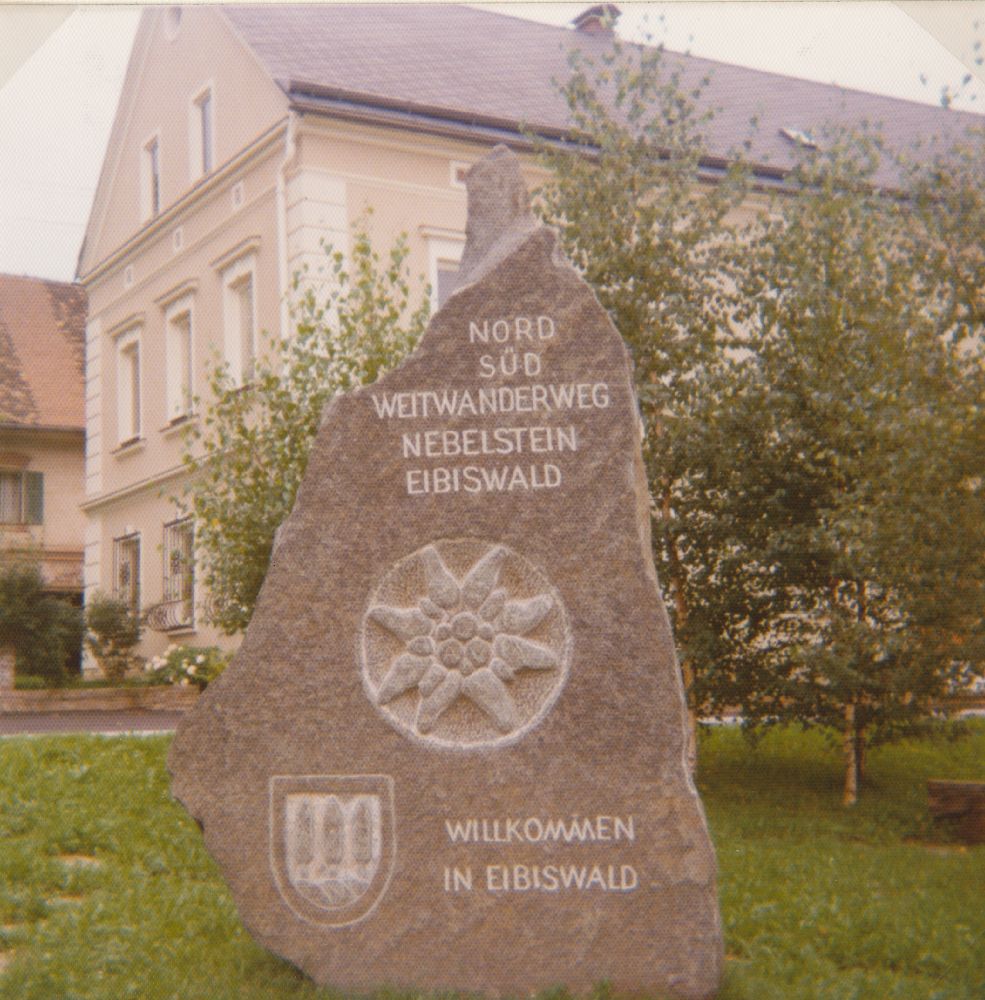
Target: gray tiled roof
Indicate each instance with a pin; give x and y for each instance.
(42, 353)
(481, 68)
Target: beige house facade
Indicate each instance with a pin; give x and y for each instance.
(244, 140)
(42, 423)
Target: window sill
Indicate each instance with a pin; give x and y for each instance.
(130, 446)
(179, 424)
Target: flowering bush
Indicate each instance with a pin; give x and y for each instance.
(187, 665)
(114, 632)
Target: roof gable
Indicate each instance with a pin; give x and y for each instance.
(170, 63)
(42, 353)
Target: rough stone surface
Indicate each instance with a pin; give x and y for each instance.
(450, 752)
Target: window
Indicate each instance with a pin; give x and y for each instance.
(444, 253)
(150, 178)
(128, 388)
(179, 573)
(21, 497)
(205, 115)
(201, 134)
(180, 358)
(239, 307)
(447, 279)
(126, 570)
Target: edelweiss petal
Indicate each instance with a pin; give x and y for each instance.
(519, 617)
(442, 587)
(519, 653)
(492, 605)
(433, 676)
(437, 701)
(405, 673)
(490, 694)
(482, 577)
(404, 623)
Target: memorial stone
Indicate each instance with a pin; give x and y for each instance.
(450, 753)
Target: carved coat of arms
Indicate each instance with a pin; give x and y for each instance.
(332, 844)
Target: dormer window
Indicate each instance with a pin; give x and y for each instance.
(150, 178)
(201, 130)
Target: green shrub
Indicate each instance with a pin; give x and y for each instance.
(188, 665)
(45, 631)
(114, 632)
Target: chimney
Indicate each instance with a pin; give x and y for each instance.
(597, 20)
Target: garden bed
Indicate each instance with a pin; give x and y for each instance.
(154, 698)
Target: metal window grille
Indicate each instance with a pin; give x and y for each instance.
(126, 571)
(179, 572)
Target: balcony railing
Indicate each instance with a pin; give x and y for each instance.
(168, 616)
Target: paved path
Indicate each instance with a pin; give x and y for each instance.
(17, 723)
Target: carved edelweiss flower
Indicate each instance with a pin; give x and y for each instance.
(464, 639)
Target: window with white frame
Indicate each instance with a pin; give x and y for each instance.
(444, 254)
(179, 358)
(239, 318)
(201, 133)
(179, 572)
(21, 497)
(150, 178)
(128, 421)
(126, 570)
(446, 278)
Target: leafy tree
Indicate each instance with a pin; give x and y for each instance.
(855, 515)
(45, 631)
(247, 461)
(808, 388)
(627, 206)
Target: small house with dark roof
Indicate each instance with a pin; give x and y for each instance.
(248, 136)
(42, 427)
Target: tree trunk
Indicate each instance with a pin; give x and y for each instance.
(850, 744)
(860, 746)
(692, 720)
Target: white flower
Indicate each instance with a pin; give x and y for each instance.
(200, 658)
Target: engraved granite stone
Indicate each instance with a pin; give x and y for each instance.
(450, 753)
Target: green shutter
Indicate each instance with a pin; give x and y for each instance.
(35, 497)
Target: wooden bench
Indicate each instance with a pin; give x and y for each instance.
(963, 802)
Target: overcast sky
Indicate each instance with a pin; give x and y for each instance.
(60, 79)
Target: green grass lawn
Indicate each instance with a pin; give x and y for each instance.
(106, 891)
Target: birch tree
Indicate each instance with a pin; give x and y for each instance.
(247, 460)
